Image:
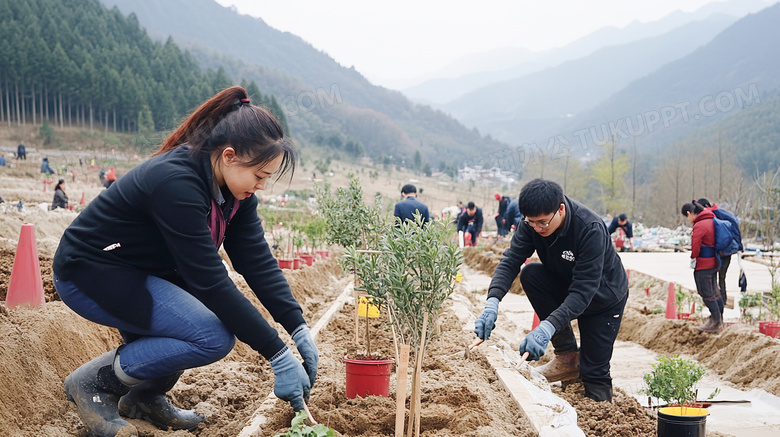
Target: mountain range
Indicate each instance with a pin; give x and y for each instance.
(476, 70)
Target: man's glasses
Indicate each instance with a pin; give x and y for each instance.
(541, 224)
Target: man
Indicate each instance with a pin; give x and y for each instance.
(580, 277)
(21, 152)
(622, 222)
(409, 206)
(725, 258)
(502, 226)
(471, 221)
(513, 216)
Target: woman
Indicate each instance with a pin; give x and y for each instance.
(705, 262)
(142, 257)
(60, 198)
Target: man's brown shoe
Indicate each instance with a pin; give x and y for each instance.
(562, 367)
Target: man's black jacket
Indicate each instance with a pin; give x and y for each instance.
(581, 252)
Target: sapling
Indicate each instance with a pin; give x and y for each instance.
(673, 380)
(298, 428)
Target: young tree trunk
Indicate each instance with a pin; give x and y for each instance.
(7, 103)
(24, 107)
(70, 116)
(62, 121)
(2, 108)
(105, 120)
(18, 106)
(40, 108)
(46, 92)
(32, 91)
(91, 128)
(114, 118)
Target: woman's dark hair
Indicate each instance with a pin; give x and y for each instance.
(58, 186)
(692, 206)
(539, 197)
(704, 202)
(229, 119)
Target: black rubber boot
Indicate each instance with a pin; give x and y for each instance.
(147, 401)
(717, 319)
(95, 389)
(598, 392)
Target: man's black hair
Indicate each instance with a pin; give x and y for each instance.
(470, 205)
(408, 188)
(704, 202)
(540, 197)
(623, 216)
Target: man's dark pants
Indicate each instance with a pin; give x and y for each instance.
(598, 331)
(724, 266)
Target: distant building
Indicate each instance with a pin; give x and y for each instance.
(491, 176)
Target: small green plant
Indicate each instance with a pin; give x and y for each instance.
(673, 380)
(299, 429)
(750, 300)
(658, 311)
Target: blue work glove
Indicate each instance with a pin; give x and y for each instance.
(535, 343)
(291, 383)
(486, 321)
(308, 350)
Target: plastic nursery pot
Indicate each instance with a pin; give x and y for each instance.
(286, 263)
(682, 422)
(308, 259)
(368, 377)
(772, 329)
(685, 316)
(297, 263)
(323, 253)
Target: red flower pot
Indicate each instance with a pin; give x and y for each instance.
(286, 263)
(323, 253)
(368, 377)
(772, 329)
(297, 263)
(308, 259)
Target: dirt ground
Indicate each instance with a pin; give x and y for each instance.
(460, 397)
(41, 347)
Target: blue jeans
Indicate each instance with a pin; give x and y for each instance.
(183, 333)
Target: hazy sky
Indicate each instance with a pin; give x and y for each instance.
(393, 42)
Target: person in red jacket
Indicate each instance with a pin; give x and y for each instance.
(705, 263)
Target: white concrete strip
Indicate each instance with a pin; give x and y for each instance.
(259, 418)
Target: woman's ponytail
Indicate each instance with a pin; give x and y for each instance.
(198, 126)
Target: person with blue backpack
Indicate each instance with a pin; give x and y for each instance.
(705, 262)
(734, 246)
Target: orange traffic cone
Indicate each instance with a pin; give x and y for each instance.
(671, 306)
(26, 286)
(82, 202)
(535, 322)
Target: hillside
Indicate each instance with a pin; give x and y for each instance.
(574, 86)
(384, 121)
(738, 67)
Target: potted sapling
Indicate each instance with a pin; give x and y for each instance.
(358, 227)
(673, 380)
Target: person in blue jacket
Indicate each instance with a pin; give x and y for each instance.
(513, 215)
(143, 258)
(409, 206)
(580, 276)
(725, 258)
